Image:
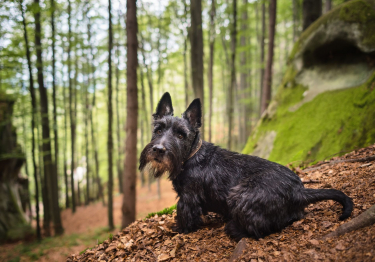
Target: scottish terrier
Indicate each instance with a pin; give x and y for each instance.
(255, 196)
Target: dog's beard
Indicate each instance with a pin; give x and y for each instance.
(167, 165)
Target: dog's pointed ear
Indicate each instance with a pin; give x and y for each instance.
(193, 113)
(164, 107)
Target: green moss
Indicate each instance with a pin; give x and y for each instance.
(357, 11)
(331, 123)
(165, 211)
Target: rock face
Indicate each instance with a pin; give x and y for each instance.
(13, 188)
(326, 101)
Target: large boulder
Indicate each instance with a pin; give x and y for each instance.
(325, 104)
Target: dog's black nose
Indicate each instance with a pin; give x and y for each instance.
(159, 149)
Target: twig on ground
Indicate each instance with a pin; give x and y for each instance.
(334, 162)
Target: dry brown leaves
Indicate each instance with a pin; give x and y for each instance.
(153, 239)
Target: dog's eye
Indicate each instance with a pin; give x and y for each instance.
(180, 136)
(158, 132)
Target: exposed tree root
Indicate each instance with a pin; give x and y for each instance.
(334, 162)
(365, 219)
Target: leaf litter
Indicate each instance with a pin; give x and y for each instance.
(153, 239)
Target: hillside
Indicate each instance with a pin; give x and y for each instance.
(153, 240)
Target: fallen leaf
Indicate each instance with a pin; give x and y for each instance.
(314, 242)
(340, 246)
(163, 257)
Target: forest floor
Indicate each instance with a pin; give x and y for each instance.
(153, 240)
(87, 227)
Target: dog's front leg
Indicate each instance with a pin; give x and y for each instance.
(189, 214)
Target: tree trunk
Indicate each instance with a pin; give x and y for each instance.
(312, 10)
(71, 113)
(196, 47)
(93, 134)
(245, 107)
(143, 179)
(295, 19)
(49, 172)
(267, 82)
(233, 75)
(128, 204)
(67, 205)
(119, 151)
(55, 132)
(210, 67)
(33, 113)
(262, 35)
(110, 115)
(328, 6)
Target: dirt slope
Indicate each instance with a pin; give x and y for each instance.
(153, 239)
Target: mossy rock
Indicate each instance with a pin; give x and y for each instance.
(325, 104)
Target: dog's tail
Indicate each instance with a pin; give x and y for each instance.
(314, 195)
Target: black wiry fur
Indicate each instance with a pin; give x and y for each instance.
(257, 197)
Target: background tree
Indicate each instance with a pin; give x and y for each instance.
(128, 204)
(312, 10)
(196, 44)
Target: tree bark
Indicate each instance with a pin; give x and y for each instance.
(118, 129)
(110, 115)
(128, 204)
(262, 36)
(245, 107)
(33, 113)
(267, 82)
(328, 6)
(312, 10)
(93, 104)
(210, 67)
(55, 132)
(71, 113)
(67, 205)
(196, 47)
(233, 75)
(49, 172)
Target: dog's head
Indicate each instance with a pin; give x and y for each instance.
(172, 139)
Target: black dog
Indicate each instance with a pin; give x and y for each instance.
(257, 197)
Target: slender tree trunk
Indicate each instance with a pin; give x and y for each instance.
(328, 6)
(267, 82)
(143, 180)
(186, 81)
(56, 137)
(119, 153)
(71, 113)
(262, 36)
(149, 80)
(93, 134)
(295, 19)
(233, 75)
(49, 172)
(210, 67)
(312, 10)
(196, 46)
(110, 115)
(67, 205)
(33, 113)
(128, 205)
(245, 108)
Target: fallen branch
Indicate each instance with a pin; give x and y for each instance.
(365, 219)
(334, 162)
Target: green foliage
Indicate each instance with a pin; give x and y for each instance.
(165, 211)
(332, 123)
